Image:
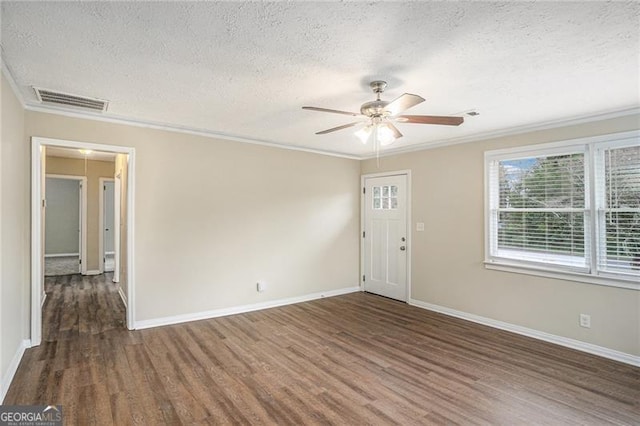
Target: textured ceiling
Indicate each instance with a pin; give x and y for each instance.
(245, 69)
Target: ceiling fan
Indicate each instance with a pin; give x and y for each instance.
(380, 116)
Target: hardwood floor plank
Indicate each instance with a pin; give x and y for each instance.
(353, 359)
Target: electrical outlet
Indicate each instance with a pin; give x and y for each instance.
(420, 226)
(585, 320)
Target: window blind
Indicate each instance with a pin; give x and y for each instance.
(618, 199)
(538, 210)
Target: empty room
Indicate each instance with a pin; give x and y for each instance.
(320, 213)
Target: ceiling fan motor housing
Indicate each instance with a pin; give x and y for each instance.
(374, 108)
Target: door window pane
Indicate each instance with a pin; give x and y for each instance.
(385, 197)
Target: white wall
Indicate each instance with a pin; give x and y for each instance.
(447, 258)
(14, 233)
(212, 217)
(62, 230)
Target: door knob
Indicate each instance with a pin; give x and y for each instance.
(403, 248)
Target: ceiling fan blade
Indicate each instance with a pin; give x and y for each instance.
(334, 129)
(394, 129)
(430, 119)
(335, 111)
(403, 103)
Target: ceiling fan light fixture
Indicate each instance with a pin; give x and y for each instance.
(385, 134)
(364, 134)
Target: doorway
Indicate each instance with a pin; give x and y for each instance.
(107, 225)
(385, 234)
(66, 225)
(126, 156)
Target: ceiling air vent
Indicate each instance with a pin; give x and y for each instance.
(65, 99)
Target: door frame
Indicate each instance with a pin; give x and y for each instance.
(117, 195)
(101, 252)
(363, 179)
(38, 151)
(83, 217)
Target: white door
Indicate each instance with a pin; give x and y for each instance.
(385, 236)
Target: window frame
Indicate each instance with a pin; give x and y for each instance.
(590, 146)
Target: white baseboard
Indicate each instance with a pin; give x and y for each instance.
(196, 316)
(529, 332)
(93, 272)
(62, 255)
(122, 296)
(110, 252)
(13, 367)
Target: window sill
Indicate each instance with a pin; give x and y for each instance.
(609, 281)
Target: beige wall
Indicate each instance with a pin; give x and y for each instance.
(213, 217)
(447, 258)
(94, 171)
(14, 230)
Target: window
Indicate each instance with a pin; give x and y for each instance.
(567, 207)
(385, 197)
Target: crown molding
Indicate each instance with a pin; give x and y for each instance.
(177, 129)
(8, 74)
(546, 125)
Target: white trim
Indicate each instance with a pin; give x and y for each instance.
(62, 255)
(93, 272)
(131, 190)
(409, 233)
(83, 215)
(44, 299)
(38, 146)
(37, 252)
(101, 252)
(196, 316)
(12, 81)
(545, 125)
(122, 296)
(109, 118)
(13, 367)
(529, 332)
(518, 268)
(562, 146)
(117, 206)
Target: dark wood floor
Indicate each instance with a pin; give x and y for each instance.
(354, 359)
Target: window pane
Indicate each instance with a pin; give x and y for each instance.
(394, 203)
(622, 177)
(376, 203)
(542, 236)
(622, 241)
(376, 191)
(620, 221)
(394, 191)
(543, 182)
(385, 191)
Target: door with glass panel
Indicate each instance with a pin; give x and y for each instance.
(385, 236)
